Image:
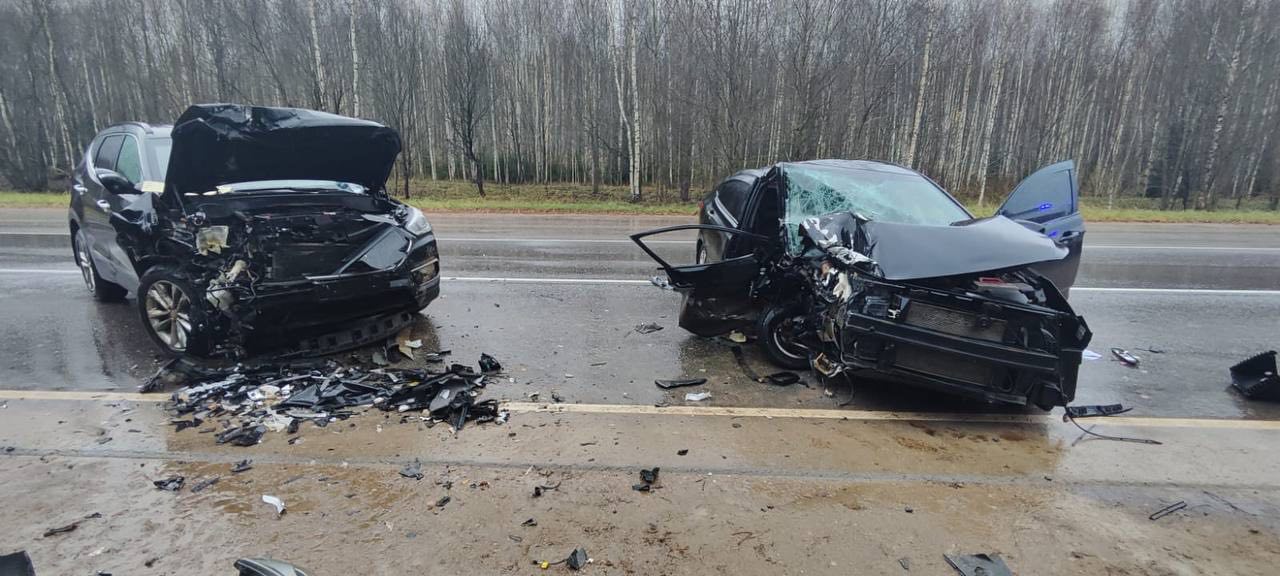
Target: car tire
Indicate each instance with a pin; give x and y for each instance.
(171, 313)
(101, 289)
(771, 333)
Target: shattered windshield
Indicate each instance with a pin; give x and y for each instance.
(872, 194)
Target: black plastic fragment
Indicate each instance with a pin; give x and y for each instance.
(443, 500)
(669, 384)
(246, 435)
(649, 476)
(978, 564)
(529, 523)
(1167, 510)
(1256, 377)
(242, 466)
(172, 483)
(17, 564)
(59, 530)
(207, 482)
(184, 424)
(489, 364)
(412, 470)
(776, 379)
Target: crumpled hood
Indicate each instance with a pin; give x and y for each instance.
(217, 144)
(913, 252)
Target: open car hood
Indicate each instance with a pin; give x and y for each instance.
(217, 144)
(913, 252)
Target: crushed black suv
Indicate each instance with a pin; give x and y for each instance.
(872, 270)
(245, 228)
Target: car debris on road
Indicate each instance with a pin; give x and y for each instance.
(1256, 377)
(250, 400)
(64, 529)
(978, 564)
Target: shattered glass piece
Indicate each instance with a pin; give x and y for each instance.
(412, 470)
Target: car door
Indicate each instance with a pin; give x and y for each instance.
(97, 205)
(724, 208)
(716, 295)
(128, 164)
(1048, 201)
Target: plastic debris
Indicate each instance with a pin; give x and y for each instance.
(540, 489)
(267, 567)
(697, 397)
(245, 435)
(242, 466)
(1090, 355)
(648, 327)
(412, 470)
(669, 384)
(738, 337)
(682, 452)
(489, 364)
(578, 559)
(529, 523)
(276, 502)
(1094, 410)
(647, 479)
(207, 482)
(62, 530)
(1167, 510)
(443, 500)
(978, 564)
(1125, 357)
(17, 564)
(172, 483)
(1256, 377)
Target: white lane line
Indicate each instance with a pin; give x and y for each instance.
(630, 282)
(1088, 246)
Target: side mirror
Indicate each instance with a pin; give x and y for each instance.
(114, 182)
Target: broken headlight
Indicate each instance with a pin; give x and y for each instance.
(416, 222)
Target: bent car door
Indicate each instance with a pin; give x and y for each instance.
(716, 295)
(1048, 201)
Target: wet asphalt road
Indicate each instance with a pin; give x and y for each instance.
(1205, 296)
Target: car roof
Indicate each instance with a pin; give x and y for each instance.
(871, 165)
(156, 130)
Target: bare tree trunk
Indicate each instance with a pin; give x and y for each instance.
(1207, 197)
(923, 87)
(355, 64)
(318, 87)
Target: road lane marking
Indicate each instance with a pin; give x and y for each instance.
(630, 282)
(744, 412)
(1183, 248)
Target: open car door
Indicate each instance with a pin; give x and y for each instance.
(1048, 201)
(716, 295)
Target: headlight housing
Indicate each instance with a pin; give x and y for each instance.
(416, 222)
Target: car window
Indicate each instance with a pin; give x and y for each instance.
(1050, 198)
(158, 149)
(872, 194)
(733, 195)
(107, 152)
(129, 164)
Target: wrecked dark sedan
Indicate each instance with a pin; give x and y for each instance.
(243, 228)
(872, 270)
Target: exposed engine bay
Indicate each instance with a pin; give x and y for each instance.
(266, 260)
(1005, 335)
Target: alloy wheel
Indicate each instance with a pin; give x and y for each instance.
(169, 314)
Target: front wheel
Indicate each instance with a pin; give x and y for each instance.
(776, 333)
(172, 313)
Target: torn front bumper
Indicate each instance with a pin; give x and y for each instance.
(323, 314)
(999, 352)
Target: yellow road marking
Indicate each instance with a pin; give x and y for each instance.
(745, 412)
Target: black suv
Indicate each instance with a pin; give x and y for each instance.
(242, 228)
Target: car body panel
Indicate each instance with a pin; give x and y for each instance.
(717, 294)
(1048, 202)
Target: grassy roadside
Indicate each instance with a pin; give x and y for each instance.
(457, 196)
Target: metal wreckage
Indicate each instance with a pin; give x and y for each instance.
(273, 230)
(870, 270)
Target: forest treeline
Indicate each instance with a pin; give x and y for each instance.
(1172, 100)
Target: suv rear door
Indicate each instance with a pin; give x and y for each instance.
(1048, 201)
(716, 294)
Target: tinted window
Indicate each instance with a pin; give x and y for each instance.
(1041, 198)
(129, 164)
(107, 152)
(872, 194)
(733, 194)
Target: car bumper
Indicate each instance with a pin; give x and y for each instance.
(940, 350)
(328, 314)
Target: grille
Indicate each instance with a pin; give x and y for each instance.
(944, 364)
(954, 322)
(293, 261)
